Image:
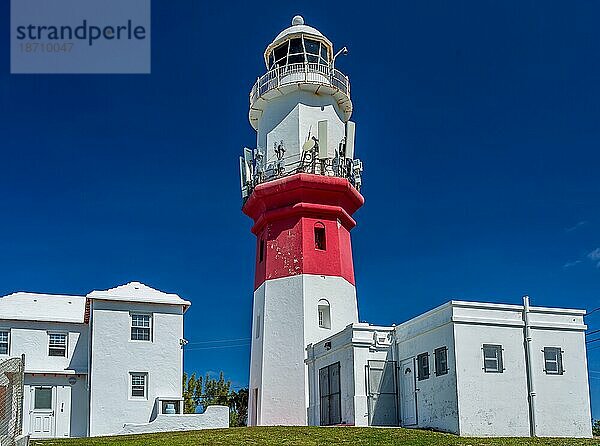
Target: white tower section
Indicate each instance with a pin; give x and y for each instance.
(300, 187)
(300, 89)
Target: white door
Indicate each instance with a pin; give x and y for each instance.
(42, 411)
(408, 393)
(383, 397)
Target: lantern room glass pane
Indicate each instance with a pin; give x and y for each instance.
(296, 46)
(296, 58)
(324, 52)
(281, 52)
(312, 46)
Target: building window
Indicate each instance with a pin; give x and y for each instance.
(423, 366)
(330, 395)
(139, 385)
(492, 358)
(57, 344)
(441, 361)
(261, 250)
(320, 242)
(257, 329)
(553, 364)
(4, 342)
(141, 326)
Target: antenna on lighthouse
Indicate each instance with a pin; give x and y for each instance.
(322, 132)
(350, 131)
(246, 172)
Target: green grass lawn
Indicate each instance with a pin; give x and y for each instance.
(308, 436)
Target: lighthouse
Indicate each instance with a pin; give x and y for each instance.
(300, 186)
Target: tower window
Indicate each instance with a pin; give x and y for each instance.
(324, 314)
(320, 242)
(261, 250)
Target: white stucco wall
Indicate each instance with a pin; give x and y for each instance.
(353, 347)
(491, 404)
(31, 338)
(341, 351)
(70, 401)
(562, 402)
(256, 356)
(289, 322)
(496, 404)
(289, 119)
(214, 417)
(436, 396)
(365, 350)
(115, 356)
(467, 400)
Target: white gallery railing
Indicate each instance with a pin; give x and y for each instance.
(312, 73)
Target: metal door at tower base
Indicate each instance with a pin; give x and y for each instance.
(42, 420)
(383, 393)
(330, 395)
(408, 399)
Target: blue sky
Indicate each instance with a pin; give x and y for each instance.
(477, 123)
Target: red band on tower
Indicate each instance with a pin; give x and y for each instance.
(302, 223)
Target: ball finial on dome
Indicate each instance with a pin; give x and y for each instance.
(298, 20)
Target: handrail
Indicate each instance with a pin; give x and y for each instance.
(312, 73)
(308, 162)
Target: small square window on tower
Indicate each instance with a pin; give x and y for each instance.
(320, 242)
(261, 251)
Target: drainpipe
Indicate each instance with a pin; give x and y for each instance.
(529, 367)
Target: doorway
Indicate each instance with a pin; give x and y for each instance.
(383, 393)
(330, 395)
(408, 392)
(42, 414)
(254, 411)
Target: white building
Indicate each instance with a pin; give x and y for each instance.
(469, 368)
(95, 363)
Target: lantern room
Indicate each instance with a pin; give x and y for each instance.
(299, 43)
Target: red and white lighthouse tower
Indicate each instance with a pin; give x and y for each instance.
(300, 186)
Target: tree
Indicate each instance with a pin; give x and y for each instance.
(192, 392)
(596, 428)
(198, 392)
(216, 391)
(238, 408)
